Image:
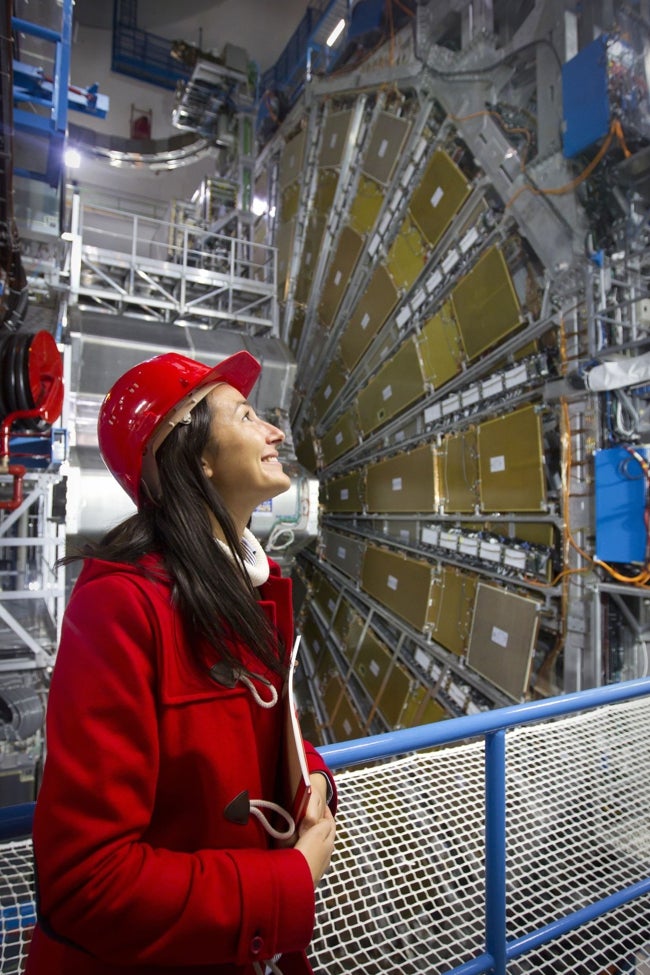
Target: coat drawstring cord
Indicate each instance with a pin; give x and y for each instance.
(256, 695)
(228, 676)
(242, 807)
(269, 966)
(256, 806)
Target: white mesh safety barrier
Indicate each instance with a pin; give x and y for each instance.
(16, 904)
(405, 891)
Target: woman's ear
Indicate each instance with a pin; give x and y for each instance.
(207, 469)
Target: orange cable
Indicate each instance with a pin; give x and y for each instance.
(402, 7)
(391, 57)
(615, 130)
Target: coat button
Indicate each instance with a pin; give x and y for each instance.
(257, 944)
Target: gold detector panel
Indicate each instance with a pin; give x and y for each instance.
(486, 304)
(333, 383)
(292, 159)
(402, 584)
(310, 251)
(385, 146)
(335, 135)
(454, 611)
(398, 384)
(344, 493)
(306, 452)
(325, 191)
(340, 438)
(285, 248)
(289, 201)
(393, 699)
(403, 483)
(459, 471)
(440, 346)
(372, 664)
(372, 310)
(511, 463)
(407, 255)
(366, 205)
(339, 273)
(503, 637)
(442, 191)
(344, 552)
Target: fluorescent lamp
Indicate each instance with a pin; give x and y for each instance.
(336, 33)
(72, 158)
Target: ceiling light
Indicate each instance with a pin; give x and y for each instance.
(72, 158)
(336, 33)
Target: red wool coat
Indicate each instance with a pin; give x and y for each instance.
(138, 869)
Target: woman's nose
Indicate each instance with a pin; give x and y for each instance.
(274, 434)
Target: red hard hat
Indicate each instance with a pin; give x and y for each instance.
(147, 402)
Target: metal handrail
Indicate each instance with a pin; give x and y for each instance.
(492, 726)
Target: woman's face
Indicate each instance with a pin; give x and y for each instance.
(241, 457)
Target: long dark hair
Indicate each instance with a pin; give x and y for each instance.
(212, 590)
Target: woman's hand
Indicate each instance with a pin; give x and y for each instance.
(317, 830)
(317, 802)
(316, 843)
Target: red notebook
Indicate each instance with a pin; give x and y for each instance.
(296, 773)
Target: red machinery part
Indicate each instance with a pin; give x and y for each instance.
(45, 376)
(38, 377)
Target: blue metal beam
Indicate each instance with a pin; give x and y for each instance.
(55, 94)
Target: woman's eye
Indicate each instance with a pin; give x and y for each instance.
(247, 416)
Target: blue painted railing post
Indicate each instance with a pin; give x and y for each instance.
(495, 849)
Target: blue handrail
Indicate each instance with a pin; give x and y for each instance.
(363, 750)
(492, 726)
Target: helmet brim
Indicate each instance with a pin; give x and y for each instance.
(240, 370)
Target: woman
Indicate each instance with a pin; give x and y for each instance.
(156, 844)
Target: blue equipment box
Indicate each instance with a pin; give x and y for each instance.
(585, 98)
(621, 488)
(606, 80)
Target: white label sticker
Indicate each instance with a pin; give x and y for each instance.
(327, 392)
(386, 392)
(499, 636)
(338, 438)
(333, 140)
(374, 668)
(497, 463)
(337, 278)
(382, 148)
(392, 582)
(345, 494)
(365, 320)
(342, 552)
(422, 659)
(437, 197)
(397, 484)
